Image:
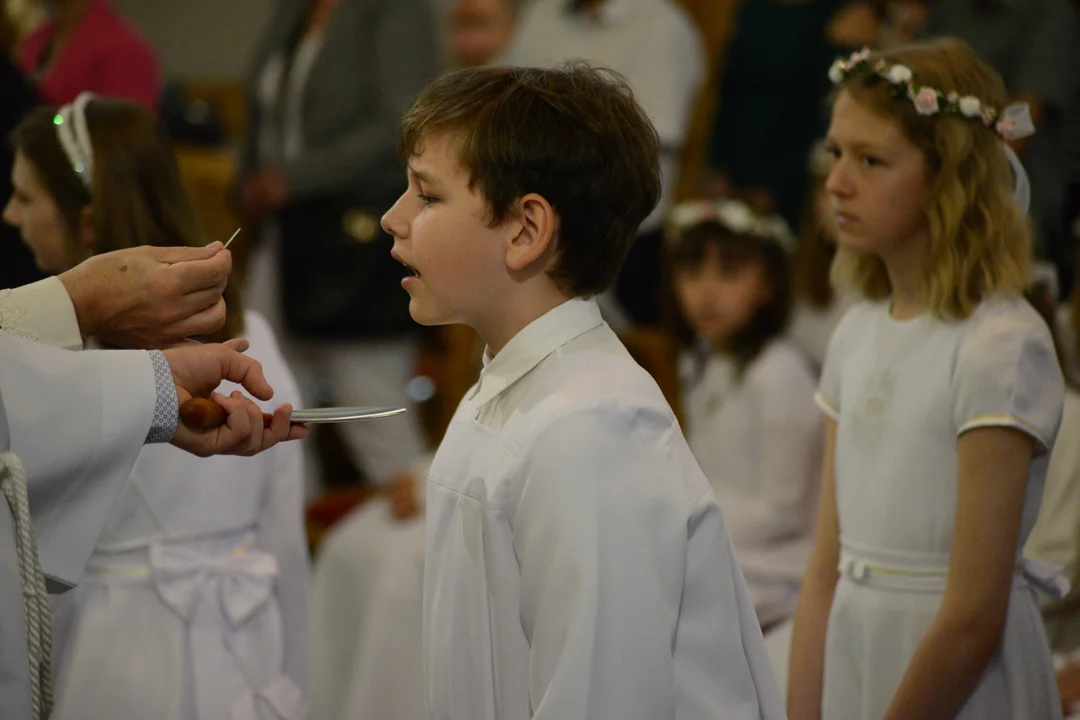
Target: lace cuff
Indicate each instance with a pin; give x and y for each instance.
(42, 312)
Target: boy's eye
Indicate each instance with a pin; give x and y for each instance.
(426, 199)
(871, 161)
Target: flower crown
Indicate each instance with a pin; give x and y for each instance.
(1012, 123)
(734, 216)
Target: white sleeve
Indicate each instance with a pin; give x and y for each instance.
(43, 312)
(788, 435)
(1054, 539)
(281, 533)
(1007, 374)
(77, 421)
(602, 544)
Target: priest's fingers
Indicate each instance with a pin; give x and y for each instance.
(186, 304)
(184, 253)
(253, 442)
(209, 319)
(224, 439)
(245, 371)
(280, 428)
(239, 435)
(196, 268)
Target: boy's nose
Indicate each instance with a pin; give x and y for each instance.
(394, 222)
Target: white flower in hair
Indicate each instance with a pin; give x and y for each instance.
(736, 216)
(970, 106)
(836, 72)
(899, 74)
(1010, 123)
(691, 213)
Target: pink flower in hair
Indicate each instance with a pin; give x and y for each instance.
(859, 56)
(1006, 128)
(925, 101)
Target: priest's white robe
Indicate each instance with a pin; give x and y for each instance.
(77, 421)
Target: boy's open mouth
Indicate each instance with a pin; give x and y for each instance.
(410, 268)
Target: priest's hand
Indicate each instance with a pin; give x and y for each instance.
(150, 297)
(197, 370)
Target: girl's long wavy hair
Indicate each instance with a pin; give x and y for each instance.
(980, 240)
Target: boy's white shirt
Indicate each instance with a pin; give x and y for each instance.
(43, 312)
(577, 564)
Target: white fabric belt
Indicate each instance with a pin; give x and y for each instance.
(928, 573)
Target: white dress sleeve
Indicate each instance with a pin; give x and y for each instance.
(603, 555)
(1007, 375)
(788, 432)
(1054, 539)
(42, 312)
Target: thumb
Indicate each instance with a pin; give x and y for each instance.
(238, 344)
(187, 254)
(245, 371)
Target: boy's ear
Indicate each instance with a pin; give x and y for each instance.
(537, 224)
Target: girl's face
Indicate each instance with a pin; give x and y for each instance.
(879, 184)
(35, 213)
(719, 299)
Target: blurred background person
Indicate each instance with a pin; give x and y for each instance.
(770, 96)
(479, 30)
(329, 81)
(86, 45)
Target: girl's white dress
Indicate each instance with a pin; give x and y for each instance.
(901, 392)
(194, 603)
(811, 327)
(758, 439)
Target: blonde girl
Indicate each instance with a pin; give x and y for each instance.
(942, 396)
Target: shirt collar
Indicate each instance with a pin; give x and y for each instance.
(530, 346)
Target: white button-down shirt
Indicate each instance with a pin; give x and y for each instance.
(577, 564)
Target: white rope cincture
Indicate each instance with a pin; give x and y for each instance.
(35, 599)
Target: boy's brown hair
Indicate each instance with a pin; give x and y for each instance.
(574, 135)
